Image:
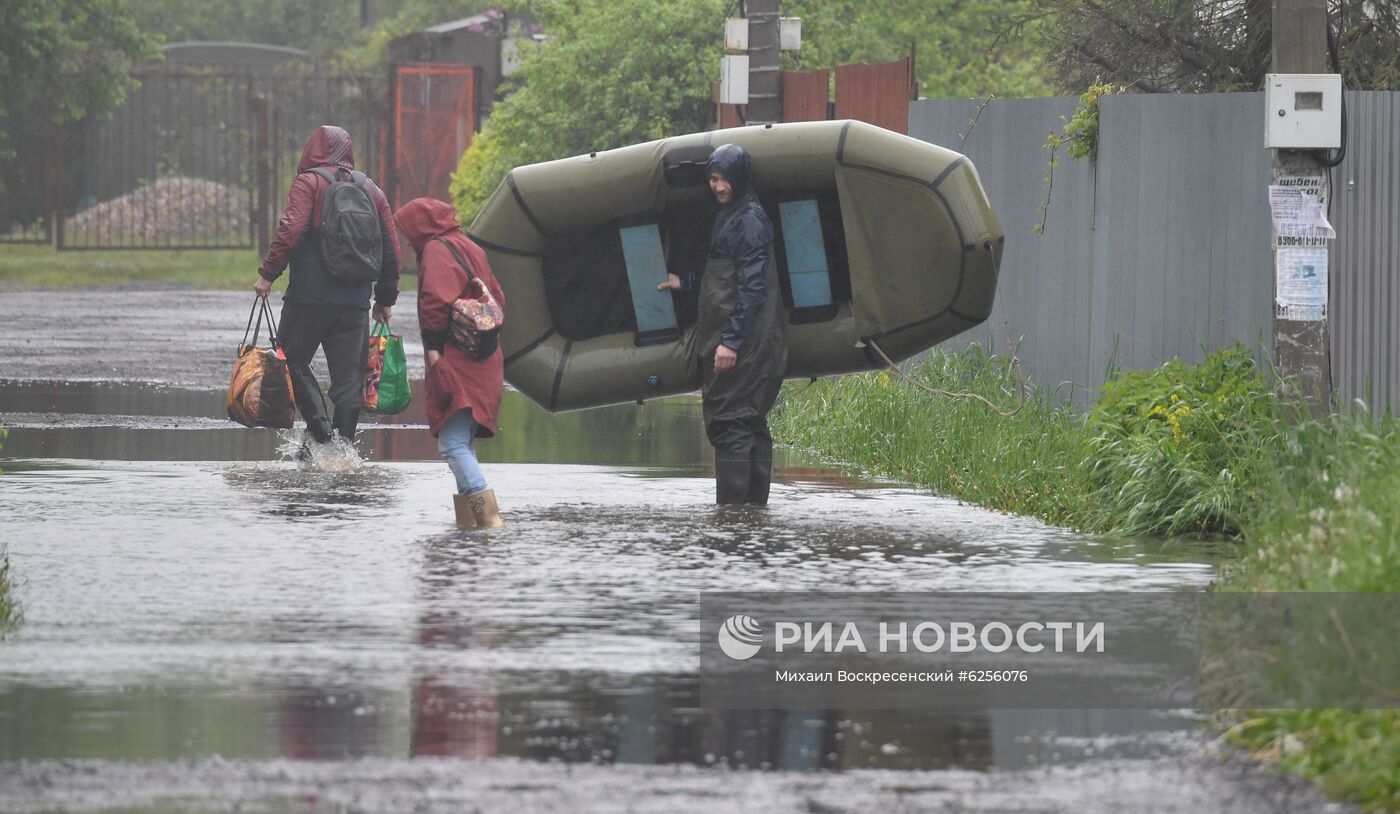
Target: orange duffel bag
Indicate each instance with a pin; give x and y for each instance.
(260, 394)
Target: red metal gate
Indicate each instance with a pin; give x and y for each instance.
(434, 115)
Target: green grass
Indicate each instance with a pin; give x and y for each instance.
(32, 267)
(44, 267)
(1205, 450)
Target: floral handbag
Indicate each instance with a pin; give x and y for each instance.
(476, 321)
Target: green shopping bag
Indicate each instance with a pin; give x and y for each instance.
(386, 389)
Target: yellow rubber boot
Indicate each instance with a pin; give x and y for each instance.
(466, 519)
(483, 506)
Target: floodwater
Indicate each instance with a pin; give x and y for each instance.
(208, 628)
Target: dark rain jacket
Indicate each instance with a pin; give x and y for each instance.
(457, 381)
(297, 243)
(741, 305)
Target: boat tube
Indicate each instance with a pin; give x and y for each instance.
(880, 238)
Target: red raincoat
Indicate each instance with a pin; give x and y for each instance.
(329, 146)
(457, 381)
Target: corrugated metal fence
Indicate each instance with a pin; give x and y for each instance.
(1162, 248)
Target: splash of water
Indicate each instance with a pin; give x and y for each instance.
(337, 456)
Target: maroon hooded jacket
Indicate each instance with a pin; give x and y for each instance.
(457, 381)
(328, 147)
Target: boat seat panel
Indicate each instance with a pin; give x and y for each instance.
(809, 273)
(646, 268)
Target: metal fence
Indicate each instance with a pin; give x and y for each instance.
(27, 180)
(1162, 248)
(171, 168)
(200, 159)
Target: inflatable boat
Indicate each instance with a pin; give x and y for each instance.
(882, 241)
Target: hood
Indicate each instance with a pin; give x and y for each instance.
(329, 146)
(423, 219)
(732, 161)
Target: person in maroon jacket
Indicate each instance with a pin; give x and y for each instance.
(317, 310)
(463, 393)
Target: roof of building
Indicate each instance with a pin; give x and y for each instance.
(478, 23)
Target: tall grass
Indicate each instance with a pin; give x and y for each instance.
(1330, 516)
(1028, 463)
(1329, 520)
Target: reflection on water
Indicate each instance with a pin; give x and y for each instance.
(185, 602)
(137, 422)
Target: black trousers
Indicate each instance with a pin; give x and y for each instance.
(342, 331)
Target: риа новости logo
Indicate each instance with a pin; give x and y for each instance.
(740, 637)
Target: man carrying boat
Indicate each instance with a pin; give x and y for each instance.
(740, 333)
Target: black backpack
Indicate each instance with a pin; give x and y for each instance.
(352, 243)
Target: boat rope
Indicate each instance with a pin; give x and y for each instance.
(1015, 364)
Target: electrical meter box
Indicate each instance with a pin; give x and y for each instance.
(734, 79)
(1303, 111)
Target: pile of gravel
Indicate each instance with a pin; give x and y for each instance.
(173, 210)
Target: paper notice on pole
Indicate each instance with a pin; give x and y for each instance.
(1300, 284)
(1298, 206)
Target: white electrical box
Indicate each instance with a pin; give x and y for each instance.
(736, 34)
(1302, 111)
(790, 33)
(734, 80)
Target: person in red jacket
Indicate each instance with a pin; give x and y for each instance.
(463, 393)
(318, 311)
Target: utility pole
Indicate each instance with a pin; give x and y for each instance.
(765, 74)
(1301, 340)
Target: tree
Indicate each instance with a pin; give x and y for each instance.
(964, 48)
(62, 60)
(333, 31)
(1203, 45)
(322, 27)
(612, 73)
(370, 54)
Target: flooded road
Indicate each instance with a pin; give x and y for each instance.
(209, 629)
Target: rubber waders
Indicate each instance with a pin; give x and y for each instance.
(760, 476)
(731, 478)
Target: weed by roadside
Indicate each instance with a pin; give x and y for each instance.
(9, 611)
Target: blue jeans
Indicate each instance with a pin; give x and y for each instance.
(457, 443)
